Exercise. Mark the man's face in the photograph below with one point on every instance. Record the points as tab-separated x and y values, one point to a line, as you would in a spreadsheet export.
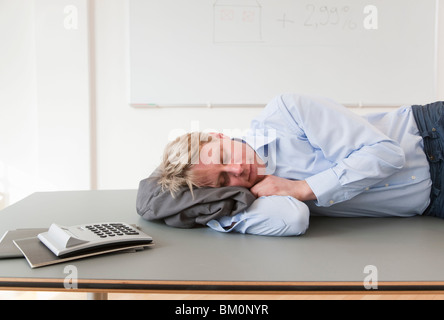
224	162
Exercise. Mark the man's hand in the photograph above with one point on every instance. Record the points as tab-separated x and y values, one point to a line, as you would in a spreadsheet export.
276	186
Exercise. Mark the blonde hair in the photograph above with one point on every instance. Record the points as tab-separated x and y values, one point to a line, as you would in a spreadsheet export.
178	158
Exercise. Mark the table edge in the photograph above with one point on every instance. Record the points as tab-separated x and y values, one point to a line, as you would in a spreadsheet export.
95	285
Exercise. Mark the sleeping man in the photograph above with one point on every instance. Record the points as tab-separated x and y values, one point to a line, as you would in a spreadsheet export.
306	155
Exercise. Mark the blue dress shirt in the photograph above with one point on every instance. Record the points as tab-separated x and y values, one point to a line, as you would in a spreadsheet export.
357	166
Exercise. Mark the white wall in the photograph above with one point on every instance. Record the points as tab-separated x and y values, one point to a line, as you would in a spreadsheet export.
44	99
62	93
18	108
45	103
62	78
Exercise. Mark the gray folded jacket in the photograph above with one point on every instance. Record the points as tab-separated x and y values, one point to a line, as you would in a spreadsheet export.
186	211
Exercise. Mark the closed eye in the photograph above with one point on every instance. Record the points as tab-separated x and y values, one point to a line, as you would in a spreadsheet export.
224	179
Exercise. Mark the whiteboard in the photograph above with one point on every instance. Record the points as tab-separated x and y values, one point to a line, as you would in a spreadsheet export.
244	52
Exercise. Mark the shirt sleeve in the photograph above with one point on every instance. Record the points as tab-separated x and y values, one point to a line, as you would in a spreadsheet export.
360	154
268	216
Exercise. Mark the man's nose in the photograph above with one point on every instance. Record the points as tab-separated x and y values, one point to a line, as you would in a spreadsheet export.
235	169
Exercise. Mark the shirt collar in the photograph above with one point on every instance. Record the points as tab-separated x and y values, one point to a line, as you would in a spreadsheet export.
259	140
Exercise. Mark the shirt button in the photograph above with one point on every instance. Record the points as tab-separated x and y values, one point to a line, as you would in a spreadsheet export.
332	202
413	177
386	185
366	189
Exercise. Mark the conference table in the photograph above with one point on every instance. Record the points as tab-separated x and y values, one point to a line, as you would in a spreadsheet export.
336	255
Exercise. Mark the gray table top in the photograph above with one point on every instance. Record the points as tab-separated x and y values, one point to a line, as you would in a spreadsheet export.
332	250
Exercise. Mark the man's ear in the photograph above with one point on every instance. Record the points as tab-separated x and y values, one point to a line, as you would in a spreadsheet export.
218	135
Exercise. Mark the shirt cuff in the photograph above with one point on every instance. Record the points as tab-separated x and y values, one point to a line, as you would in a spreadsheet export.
227	223
327	188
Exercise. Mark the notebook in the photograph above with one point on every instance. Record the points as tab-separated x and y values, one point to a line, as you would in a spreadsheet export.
38	255
8	249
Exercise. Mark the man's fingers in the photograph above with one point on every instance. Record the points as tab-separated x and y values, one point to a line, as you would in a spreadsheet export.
256	189
260	189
